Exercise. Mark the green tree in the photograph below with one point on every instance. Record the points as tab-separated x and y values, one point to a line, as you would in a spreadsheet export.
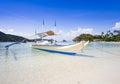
84	37
117	35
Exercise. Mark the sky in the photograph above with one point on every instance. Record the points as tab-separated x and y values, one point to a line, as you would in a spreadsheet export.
72	17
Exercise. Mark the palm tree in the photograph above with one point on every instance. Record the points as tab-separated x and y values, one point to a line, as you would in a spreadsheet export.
102	34
117	34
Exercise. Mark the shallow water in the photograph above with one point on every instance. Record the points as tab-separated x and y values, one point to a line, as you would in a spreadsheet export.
21	64
103	49
95	49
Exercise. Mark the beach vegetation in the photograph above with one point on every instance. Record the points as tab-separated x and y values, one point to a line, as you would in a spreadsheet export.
84	37
108	36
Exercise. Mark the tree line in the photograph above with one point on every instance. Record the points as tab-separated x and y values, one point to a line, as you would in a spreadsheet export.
108	36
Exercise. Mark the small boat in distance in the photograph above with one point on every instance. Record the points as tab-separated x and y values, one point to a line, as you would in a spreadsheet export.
68	49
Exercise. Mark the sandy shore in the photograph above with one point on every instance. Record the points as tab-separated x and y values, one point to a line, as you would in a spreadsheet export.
60	69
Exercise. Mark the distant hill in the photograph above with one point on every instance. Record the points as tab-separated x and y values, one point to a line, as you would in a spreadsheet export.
11	38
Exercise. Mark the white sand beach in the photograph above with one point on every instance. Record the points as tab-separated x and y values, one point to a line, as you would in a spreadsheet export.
60	69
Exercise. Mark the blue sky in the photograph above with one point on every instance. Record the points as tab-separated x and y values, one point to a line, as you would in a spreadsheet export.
73	17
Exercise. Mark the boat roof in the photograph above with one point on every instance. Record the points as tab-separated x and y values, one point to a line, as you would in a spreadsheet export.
44	34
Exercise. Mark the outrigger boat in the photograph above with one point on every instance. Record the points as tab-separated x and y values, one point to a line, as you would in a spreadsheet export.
68	49
54	48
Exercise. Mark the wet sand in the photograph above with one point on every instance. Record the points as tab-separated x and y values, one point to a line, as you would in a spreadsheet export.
60	69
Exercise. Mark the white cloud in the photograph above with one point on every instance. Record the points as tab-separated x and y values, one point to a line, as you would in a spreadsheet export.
13	32
27	35
69	35
2	30
117	25
7	31
61	34
10	31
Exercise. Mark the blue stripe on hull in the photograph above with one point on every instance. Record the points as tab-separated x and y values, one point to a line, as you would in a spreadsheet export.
54	51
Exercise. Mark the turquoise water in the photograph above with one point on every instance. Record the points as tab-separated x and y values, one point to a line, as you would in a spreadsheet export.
17	51
93	49
97	62
103	49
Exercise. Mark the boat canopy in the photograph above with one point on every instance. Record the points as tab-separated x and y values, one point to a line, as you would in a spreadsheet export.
44	34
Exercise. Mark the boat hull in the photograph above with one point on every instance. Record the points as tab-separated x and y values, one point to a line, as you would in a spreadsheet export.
55	51
70	49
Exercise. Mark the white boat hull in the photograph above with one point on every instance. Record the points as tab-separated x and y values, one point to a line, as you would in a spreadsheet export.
73	49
